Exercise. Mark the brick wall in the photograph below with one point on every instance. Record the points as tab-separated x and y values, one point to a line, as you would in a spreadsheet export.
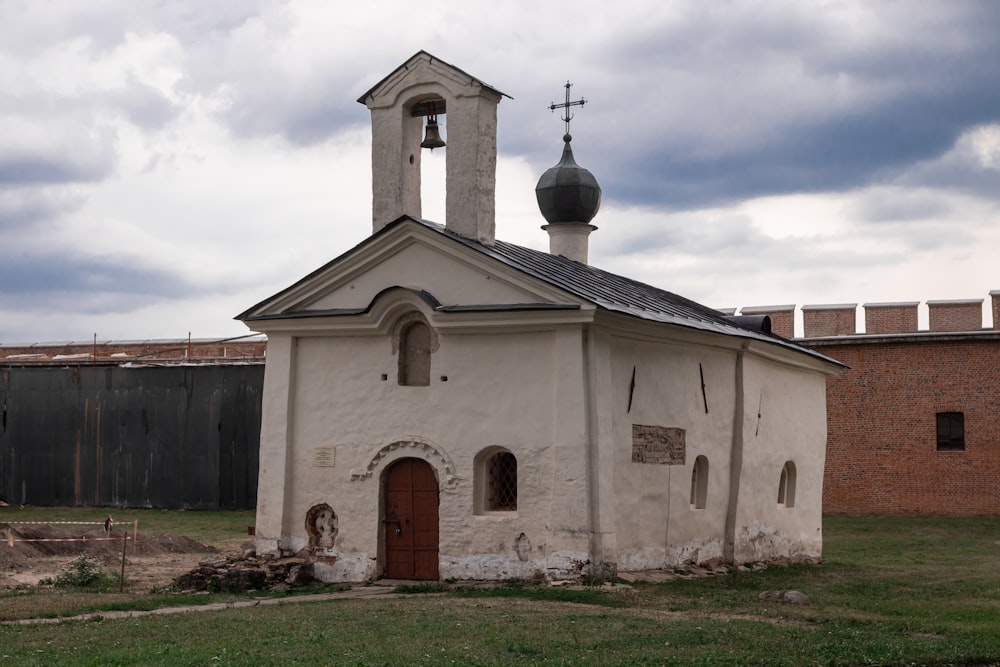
964	315
829	320
884	318
121	351
882	453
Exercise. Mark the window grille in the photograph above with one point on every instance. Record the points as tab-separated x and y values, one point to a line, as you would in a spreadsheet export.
502	475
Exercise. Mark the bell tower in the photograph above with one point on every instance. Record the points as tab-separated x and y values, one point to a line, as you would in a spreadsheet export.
427	88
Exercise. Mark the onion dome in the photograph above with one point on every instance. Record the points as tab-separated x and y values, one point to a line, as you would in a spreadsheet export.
567	192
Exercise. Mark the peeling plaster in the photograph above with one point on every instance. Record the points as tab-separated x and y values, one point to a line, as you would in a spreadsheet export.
760	542
340	566
657	558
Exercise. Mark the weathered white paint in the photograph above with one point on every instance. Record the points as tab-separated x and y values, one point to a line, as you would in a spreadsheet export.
273	470
339	565
569	239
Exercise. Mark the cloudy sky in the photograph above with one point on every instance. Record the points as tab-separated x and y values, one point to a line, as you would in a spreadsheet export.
165	165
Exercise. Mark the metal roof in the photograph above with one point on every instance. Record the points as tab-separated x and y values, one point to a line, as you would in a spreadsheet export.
616	293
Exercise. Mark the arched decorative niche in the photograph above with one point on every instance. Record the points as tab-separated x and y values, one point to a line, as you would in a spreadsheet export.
699	483
786	485
414	341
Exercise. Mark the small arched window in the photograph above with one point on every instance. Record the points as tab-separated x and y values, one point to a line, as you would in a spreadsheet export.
495	481
699	483
415	355
786	485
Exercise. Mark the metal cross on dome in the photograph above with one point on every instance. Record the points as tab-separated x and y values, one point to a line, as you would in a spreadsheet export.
566	105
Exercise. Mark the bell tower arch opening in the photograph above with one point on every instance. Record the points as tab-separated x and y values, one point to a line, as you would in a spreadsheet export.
431	158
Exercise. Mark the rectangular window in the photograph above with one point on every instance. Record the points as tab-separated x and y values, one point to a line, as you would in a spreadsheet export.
950	431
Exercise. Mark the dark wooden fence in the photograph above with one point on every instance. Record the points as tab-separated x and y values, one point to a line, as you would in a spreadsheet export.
166	437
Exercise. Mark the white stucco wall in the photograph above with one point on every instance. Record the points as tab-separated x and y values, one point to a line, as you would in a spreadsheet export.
792	427
452	281
656	525
581	499
500	391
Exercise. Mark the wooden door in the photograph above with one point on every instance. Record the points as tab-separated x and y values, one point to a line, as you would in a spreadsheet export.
411	521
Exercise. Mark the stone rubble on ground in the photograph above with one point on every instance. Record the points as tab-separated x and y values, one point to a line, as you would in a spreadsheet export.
711	568
249	572
788	597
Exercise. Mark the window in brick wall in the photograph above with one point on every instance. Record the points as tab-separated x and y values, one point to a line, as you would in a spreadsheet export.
950	431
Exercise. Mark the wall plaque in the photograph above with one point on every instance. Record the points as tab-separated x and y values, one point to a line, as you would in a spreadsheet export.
324	457
662	445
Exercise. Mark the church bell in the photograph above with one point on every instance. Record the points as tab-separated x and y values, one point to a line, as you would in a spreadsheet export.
432	137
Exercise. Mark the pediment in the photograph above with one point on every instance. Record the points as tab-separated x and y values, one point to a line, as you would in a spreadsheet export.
424	69
410	257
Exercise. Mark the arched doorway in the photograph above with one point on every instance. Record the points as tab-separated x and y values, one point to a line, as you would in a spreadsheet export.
410	521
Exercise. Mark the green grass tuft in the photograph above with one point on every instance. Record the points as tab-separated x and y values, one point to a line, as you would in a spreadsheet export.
425	587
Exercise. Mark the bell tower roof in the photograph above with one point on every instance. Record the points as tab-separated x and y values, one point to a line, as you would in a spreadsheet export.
392	81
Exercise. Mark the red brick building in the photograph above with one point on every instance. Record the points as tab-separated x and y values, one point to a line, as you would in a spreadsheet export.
117	352
914	423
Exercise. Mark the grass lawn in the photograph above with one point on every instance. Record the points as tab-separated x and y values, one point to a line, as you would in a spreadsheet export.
891	591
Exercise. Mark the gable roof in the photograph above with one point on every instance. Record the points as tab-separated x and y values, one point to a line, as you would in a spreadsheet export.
606	290
421	54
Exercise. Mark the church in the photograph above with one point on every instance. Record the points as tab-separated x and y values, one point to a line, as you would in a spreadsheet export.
440	404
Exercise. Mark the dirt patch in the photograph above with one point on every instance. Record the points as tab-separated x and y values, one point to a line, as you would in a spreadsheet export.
40	551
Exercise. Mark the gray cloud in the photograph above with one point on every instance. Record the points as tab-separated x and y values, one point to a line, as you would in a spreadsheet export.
142	105
30	27
27	277
972	167
727	105
897	204
39	169
24	207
